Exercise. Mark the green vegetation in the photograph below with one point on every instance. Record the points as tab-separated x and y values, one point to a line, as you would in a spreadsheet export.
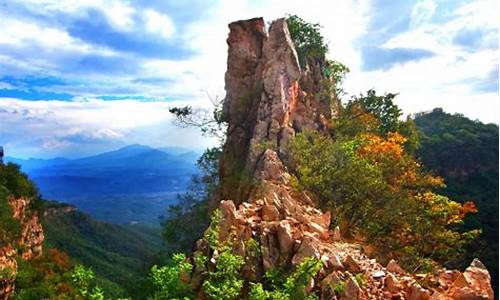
167	279
465	153
46	277
13	183
119	255
291	287
10	227
379	193
16	182
307	39
224	281
82	278
186	221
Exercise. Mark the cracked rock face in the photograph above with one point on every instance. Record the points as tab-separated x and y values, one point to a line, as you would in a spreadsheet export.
29	242
265	105
270	99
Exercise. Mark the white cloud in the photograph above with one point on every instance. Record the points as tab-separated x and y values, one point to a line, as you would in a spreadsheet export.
41	128
447	80
119	13
159	23
422	12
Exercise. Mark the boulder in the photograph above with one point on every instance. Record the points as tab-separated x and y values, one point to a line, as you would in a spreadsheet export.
416	292
474	283
392	284
270	212
336	234
308	248
393	267
352	290
285	238
351	265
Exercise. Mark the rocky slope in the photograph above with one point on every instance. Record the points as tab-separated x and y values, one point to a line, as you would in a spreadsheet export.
27	245
270	99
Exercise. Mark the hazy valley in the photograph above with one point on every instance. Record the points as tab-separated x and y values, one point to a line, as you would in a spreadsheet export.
134	184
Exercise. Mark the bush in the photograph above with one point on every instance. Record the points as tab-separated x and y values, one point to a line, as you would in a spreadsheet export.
167	279
380	193
307	38
292	287
225	282
17	182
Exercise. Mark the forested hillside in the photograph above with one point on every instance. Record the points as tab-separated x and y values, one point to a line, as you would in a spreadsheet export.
307	196
120	256
133	184
465	153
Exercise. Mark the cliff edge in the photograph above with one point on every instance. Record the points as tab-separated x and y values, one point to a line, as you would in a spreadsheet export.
269	99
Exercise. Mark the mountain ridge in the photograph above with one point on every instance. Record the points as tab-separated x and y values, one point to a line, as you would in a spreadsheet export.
134	183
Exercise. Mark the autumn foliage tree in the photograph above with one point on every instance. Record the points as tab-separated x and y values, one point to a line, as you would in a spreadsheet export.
380	194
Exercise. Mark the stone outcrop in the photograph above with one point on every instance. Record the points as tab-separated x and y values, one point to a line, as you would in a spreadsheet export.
267	100
270	99
28	245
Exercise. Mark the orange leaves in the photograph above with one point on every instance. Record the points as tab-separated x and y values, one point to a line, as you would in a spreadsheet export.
468	207
61	259
378	148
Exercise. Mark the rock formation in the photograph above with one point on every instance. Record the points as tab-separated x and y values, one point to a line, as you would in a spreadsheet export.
269	99
28	244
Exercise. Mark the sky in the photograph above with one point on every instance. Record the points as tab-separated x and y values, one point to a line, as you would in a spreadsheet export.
83	77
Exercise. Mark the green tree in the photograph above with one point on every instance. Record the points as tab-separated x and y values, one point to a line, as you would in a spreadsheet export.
168	279
83	278
186	220
465	153
307	39
380	193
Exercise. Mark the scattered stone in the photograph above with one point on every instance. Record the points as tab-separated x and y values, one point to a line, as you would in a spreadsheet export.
336	234
351	265
378	274
393	267
416	292
392	284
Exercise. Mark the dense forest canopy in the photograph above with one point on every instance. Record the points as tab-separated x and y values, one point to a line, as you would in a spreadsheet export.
465	153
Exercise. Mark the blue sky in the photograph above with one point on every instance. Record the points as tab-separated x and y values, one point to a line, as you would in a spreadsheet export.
80	77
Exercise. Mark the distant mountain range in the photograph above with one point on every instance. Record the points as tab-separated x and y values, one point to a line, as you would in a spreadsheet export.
132	184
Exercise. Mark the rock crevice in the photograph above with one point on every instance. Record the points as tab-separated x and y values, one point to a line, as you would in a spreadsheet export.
269	99
28	244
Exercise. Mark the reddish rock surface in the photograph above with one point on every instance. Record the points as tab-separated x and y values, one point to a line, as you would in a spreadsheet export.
269	99
29	242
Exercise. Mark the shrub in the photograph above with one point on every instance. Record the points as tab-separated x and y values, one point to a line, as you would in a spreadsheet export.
379	192
167	279
307	38
225	282
291	287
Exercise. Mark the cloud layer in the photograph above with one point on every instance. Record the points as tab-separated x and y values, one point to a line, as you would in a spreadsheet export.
79	77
